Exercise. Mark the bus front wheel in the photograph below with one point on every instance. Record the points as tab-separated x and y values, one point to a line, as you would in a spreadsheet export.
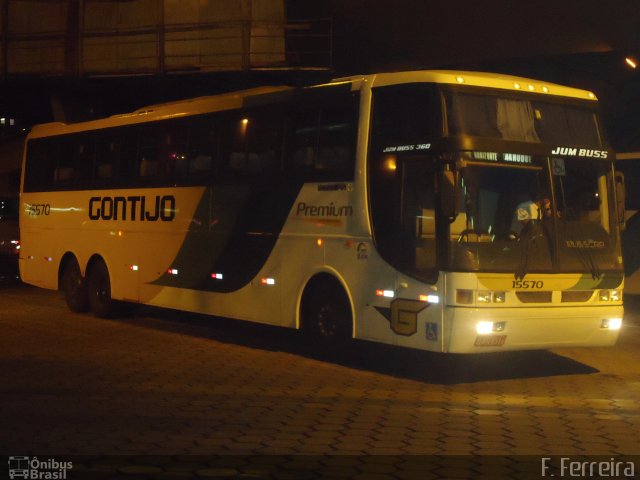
74	287
326	313
100	290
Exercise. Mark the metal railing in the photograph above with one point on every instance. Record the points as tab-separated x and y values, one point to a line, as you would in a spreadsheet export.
169	48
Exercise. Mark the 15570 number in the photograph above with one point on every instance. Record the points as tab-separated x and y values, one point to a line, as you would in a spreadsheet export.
527	284
39	209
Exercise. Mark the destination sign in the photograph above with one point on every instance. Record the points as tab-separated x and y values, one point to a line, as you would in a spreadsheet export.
517	158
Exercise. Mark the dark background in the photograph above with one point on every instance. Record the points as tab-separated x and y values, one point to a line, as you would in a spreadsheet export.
582	43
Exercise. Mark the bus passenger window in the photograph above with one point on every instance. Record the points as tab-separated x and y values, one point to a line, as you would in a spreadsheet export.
323	143
66	171
63	174
106	159
235	153
305	140
180	164
104	170
42	156
335	139
172	154
404	116
85	148
152	143
417	217
202	146
265	145
148	168
201	163
256	145
127	151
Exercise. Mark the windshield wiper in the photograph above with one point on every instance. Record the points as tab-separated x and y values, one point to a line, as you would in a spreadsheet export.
587	260
528	236
585	255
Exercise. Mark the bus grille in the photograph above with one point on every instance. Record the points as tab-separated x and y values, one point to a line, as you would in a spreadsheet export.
534	297
577	296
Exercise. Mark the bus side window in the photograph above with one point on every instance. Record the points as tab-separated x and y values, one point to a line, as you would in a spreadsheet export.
202	147
403	116
126	146
85	148
304	141
417	216
234	148
42	157
152	141
172	152
74	162
65	173
402	180
322	145
265	144
256	144
335	143
106	159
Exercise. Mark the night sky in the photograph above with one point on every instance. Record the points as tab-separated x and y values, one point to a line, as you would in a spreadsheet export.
580	43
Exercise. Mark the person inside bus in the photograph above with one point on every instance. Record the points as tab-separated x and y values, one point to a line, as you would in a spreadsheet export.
528	211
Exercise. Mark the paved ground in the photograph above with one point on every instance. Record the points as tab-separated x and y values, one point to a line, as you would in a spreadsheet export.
173	385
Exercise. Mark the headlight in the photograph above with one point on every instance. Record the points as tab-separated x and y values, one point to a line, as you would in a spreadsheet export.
485	327
483	296
611	323
466	297
610	295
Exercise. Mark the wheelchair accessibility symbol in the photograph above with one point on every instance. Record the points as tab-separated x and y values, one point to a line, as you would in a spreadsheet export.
557	167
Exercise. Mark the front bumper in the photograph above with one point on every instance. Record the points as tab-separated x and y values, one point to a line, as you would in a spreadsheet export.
529	328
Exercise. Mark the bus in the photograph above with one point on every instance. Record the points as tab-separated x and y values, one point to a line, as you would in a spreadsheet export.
446	211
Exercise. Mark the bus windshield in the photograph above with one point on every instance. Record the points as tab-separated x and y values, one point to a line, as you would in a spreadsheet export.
519	212
523	120
516	219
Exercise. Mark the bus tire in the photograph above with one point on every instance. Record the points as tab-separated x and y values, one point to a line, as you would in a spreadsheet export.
326	313
100	299
74	287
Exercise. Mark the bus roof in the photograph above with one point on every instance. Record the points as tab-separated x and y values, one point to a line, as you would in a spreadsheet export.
161	111
238	99
479	79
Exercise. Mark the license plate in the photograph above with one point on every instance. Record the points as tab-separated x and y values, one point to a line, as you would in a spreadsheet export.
490	341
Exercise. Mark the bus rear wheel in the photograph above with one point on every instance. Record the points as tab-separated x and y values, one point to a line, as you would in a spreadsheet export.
74	287
100	299
326	314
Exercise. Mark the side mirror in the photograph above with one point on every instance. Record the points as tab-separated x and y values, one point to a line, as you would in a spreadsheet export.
620	199
449	194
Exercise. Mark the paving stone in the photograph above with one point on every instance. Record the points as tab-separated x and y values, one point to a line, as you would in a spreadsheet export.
164	384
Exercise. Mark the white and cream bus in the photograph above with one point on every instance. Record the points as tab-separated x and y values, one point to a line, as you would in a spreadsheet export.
445	211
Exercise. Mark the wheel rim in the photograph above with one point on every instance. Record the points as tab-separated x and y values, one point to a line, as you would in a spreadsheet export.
102	290
74	282
326	314
99	291
327	321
